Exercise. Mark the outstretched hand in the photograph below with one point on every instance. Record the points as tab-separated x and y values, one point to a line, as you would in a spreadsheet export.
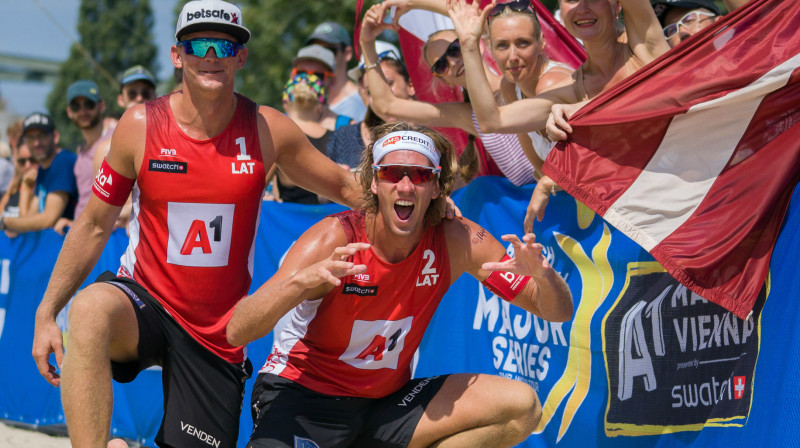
330	270
468	19
528	258
373	25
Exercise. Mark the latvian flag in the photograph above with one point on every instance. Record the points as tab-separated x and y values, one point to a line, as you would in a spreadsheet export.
696	155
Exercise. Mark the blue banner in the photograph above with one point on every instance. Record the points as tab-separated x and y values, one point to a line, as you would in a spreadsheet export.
644	362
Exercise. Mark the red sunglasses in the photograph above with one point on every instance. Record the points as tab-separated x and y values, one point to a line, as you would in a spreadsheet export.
417	174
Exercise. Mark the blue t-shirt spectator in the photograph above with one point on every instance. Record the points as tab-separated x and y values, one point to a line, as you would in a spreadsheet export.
59	177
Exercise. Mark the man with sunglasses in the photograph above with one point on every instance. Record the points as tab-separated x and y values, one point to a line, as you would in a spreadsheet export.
85	108
361	287
195	163
55	186
682	19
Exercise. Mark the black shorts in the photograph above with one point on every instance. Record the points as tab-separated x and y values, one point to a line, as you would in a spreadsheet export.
286	414
202	392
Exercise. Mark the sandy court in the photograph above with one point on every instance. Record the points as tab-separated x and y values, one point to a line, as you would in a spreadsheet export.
11	437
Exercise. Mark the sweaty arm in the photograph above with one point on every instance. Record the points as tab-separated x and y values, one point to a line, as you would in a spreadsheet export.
84	243
475	251
311	269
284	144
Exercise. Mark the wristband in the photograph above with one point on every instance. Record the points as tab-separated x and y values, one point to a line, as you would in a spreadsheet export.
506	285
110	186
375	65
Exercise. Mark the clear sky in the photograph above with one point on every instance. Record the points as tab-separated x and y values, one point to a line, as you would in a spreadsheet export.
27	30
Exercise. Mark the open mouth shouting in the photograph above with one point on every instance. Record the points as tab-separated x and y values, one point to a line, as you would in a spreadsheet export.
403	209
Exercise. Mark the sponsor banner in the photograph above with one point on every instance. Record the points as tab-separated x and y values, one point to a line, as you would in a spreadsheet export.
675	361
574	366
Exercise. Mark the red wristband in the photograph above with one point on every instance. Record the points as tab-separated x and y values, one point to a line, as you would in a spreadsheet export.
506	285
110	186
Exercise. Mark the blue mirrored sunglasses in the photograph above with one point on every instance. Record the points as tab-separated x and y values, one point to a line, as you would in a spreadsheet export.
222	47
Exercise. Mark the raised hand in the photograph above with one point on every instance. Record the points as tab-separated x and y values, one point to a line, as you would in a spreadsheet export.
468	19
331	269
372	25
528	258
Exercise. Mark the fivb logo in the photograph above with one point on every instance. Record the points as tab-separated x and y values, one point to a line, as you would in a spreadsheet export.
217	14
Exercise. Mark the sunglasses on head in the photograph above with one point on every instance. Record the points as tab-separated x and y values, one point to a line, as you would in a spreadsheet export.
417	174
22	161
75	106
690	19
440	67
224	48
322	75
516	5
146	94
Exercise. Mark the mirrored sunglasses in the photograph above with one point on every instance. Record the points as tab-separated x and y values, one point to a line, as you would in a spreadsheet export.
516	5
692	18
417	174
440	67
223	48
75	106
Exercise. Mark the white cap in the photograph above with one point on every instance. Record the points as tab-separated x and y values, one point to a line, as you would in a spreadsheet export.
317	53
212	15
385	50
405	140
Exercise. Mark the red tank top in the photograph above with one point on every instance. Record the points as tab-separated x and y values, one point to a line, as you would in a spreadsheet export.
196	205
359	340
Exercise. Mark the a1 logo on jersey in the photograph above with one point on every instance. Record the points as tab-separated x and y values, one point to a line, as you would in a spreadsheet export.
199	234
428	276
376	344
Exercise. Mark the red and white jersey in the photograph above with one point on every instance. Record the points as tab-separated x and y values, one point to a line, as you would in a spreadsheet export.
196	206
359	340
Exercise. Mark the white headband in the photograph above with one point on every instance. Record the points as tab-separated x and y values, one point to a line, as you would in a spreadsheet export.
405	140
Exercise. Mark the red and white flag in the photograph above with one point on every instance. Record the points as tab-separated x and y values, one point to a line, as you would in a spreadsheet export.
695	156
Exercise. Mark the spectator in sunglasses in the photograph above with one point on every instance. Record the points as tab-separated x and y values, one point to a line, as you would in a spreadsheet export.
613	53
20	198
195	162
343	97
360	289
442	52
85	108
321	61
682	19
346	145
55	187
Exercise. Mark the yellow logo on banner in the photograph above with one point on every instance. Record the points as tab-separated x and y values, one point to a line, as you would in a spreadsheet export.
597	279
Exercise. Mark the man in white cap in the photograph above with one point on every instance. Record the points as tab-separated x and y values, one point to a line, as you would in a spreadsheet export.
195	162
361	287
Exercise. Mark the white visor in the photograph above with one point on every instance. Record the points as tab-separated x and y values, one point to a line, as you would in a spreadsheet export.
408	141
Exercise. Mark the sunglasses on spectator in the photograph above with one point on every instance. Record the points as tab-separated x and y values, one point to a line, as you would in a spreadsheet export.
322	75
146	94
691	18
516	5
441	66
22	161
223	48
75	106
417	174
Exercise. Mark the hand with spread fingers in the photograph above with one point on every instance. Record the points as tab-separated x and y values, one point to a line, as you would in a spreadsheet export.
332	268
527	260
469	20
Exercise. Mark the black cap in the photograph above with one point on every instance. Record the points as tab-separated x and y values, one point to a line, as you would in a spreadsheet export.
662	6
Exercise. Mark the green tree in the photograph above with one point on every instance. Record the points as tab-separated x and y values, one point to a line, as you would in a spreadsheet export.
113	35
